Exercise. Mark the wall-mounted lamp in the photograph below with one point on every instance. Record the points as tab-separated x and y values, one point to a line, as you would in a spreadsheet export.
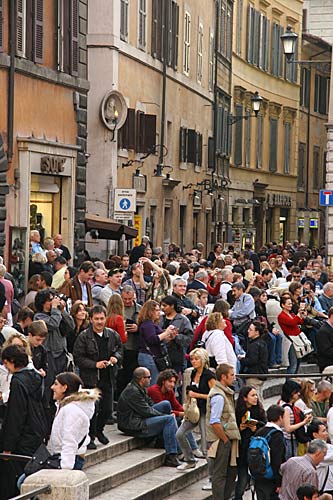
256	101
289	44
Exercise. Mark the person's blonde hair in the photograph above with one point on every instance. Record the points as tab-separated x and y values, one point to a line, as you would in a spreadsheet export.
115	306
306	385
193	296
21	337
213	321
202	354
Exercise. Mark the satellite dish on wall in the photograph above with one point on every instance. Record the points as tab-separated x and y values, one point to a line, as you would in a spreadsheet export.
113	110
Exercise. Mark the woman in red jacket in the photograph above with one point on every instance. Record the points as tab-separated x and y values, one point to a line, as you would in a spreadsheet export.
289	324
115	316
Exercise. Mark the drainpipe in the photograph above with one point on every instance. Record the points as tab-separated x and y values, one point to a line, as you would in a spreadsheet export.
216	45
165	53
11	76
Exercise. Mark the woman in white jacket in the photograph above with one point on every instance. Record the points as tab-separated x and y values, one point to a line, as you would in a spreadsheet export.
217	345
70	429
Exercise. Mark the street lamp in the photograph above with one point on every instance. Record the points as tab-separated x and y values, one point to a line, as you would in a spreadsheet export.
289	40
256	101
114	124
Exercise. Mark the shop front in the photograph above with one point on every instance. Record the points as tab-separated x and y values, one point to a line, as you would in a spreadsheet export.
44	198
278	217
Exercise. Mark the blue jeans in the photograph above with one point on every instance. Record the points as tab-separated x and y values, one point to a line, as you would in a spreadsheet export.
148	362
79	463
275	349
165	424
243	478
293	360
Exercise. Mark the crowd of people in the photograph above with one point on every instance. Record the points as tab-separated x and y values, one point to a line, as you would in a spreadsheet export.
110	341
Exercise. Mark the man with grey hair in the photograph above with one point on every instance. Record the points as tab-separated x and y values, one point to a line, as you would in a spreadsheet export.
36	247
139	251
186	306
320	402
202	281
326	299
242	312
100	279
299	470
226	284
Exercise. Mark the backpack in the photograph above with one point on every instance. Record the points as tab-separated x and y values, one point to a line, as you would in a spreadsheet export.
300	434
258	456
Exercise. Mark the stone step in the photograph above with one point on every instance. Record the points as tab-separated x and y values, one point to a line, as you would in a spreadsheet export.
158	484
121	469
192	492
119	444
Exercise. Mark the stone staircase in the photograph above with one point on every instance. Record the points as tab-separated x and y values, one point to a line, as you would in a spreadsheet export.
126	469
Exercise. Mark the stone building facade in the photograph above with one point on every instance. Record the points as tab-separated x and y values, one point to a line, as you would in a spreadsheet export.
43	124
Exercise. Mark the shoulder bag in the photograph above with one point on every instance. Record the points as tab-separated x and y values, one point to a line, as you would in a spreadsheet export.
163	361
191	411
302	345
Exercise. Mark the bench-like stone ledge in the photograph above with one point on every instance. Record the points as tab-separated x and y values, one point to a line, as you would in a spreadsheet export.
66	484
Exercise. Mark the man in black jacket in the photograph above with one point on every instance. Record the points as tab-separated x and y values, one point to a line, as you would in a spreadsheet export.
139	416
25	425
268	489
185	304
98	352
324	340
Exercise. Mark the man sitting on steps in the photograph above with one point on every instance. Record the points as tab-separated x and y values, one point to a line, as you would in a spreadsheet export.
138	416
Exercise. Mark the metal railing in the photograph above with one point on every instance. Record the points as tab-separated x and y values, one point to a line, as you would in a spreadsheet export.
267	376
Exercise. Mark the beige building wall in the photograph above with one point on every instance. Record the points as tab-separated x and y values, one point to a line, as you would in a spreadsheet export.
167	209
263	192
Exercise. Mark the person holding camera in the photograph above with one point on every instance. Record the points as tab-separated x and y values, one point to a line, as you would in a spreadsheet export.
98	352
290	325
52	309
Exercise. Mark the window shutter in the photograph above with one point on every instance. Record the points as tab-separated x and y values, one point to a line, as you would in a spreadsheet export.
1	25
182	144
268	37
191	145
139	132
301	162
273	145
259	141
219	130
211	152
248	140
20	31
175	34
280	31
75	37
154	29
38	31
287	133
256	38
249	34
198	149
229	134
127	131
238	154
273	51
322	95
149	141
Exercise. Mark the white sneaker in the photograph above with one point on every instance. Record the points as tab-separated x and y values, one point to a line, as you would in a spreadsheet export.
207	486
198	453
186	466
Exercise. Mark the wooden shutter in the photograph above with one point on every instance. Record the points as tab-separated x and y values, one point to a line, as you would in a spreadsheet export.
182	144
238	154
322	95
229	134
38	31
268	37
127	132
287	134
301	163
191	145
1	25
139	132
259	141
20	29
75	37
249	34
273	145
198	151
256	38
175	34
149	142
211	152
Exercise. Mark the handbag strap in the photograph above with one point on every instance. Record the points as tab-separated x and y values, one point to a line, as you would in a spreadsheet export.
81	442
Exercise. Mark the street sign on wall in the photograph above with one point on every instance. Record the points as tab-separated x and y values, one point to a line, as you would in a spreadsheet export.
125	200
326	198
